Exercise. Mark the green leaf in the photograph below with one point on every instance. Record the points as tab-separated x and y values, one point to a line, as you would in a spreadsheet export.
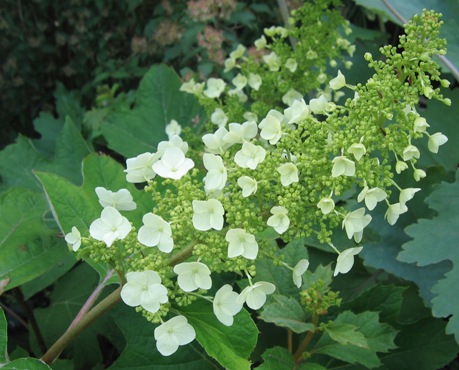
158	101
423	345
27	247
346	334
230	346
429	248
277	358
18	160
379	337
26	363
286	312
140	352
3	338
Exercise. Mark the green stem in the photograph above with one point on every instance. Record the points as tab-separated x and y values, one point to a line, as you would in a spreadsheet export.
105	305
182	255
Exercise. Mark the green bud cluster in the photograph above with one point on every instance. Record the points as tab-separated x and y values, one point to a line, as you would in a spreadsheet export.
319	298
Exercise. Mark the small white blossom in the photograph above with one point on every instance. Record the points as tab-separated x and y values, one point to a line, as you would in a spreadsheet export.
358	150
338	82
229	64
394	211
139	169
174	141
297	112
173	164
240	81
215	87
279	220
74	238
371	196
214	142
345	260
435	141
238	52
326	205
216	172
238	133
354	223
225	305
271	126
407	194
254	81
298	271
173	128
273	61
420	124
410	152
192	276
241	243
110	226
248	185
192	87
255	295
318	106
400	166
250	156
144	289
343	166
207	214
260	43
156	232
290	97
291	64
240	94
289	173
121	200
172	334
219	117
419	174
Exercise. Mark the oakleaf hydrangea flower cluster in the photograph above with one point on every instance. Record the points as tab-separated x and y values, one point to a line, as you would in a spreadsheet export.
270	160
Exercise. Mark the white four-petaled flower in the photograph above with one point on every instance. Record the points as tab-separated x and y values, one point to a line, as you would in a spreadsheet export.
342	166
215	86
172	334
354	223
192	276
214	142
208	214
248	185
173	128
298	271
338	82
371	196
238	133
279	220
144	289
289	173
216	172
255	295
435	141
250	155
140	169
326	205
241	243
358	150
121	200
271	126
225	305
345	260
297	112
74	238
173	164
394	211
110	226
407	194
156	232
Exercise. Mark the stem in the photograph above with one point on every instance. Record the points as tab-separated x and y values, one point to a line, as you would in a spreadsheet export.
290	340
305	343
182	255
77	327
31	318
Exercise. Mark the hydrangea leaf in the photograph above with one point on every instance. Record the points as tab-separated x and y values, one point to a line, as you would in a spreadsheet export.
379	338
18	160
277	358
286	312
346	334
435	241
158	101
140	351
424	345
230	346
26	363
28	247
3	338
